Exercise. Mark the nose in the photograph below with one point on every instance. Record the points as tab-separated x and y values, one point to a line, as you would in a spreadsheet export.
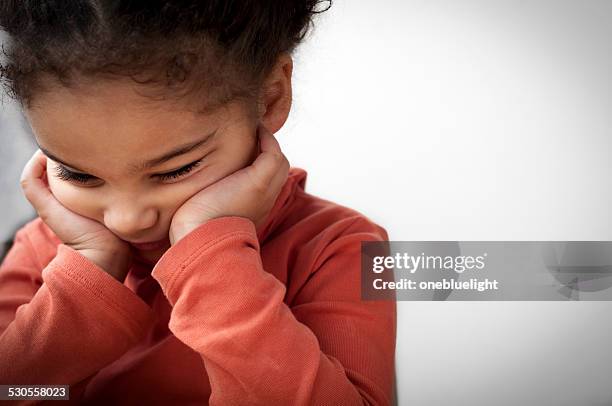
129	218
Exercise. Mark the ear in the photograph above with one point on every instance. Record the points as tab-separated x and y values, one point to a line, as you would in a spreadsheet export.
276	95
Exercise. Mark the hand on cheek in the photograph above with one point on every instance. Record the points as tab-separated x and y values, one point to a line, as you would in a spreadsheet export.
249	192
90	238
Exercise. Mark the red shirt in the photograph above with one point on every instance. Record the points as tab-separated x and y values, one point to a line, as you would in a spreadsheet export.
229	315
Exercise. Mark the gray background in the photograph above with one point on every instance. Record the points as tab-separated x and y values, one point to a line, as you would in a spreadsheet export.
460	120
16	146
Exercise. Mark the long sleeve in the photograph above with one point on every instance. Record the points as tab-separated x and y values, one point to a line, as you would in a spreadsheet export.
61	324
329	348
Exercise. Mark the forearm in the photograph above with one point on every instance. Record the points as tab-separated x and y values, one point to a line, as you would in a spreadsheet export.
228	309
80	320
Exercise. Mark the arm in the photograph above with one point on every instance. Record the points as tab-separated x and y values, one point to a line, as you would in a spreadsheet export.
61	325
330	348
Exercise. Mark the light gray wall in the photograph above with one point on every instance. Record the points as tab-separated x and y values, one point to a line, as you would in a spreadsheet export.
16	147
471	120
459	120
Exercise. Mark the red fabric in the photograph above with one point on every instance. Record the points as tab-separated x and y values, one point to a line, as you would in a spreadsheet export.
230	315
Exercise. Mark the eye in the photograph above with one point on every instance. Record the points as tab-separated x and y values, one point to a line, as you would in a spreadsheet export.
89	180
76	177
179	173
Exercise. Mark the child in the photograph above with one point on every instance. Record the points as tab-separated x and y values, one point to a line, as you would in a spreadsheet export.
177	258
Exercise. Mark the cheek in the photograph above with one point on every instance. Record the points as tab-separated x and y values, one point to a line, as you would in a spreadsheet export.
73	198
169	199
217	168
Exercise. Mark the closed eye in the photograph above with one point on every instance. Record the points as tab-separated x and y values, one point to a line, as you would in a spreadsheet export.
68	175
178	173
87	180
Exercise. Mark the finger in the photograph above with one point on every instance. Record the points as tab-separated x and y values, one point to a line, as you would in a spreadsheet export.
280	167
35	187
268	143
271	149
271	168
32	177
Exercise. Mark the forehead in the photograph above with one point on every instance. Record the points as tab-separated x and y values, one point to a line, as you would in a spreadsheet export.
112	121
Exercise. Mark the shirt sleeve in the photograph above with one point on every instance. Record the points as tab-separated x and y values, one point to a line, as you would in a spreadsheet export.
60	325
330	348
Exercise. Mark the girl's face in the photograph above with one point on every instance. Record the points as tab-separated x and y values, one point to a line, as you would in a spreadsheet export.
129	163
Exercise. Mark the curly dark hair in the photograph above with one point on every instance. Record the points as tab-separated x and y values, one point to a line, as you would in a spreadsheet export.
177	48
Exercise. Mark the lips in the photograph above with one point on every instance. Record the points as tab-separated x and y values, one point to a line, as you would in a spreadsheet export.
150	246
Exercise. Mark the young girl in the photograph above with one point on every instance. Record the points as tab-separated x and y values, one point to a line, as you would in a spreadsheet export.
177	258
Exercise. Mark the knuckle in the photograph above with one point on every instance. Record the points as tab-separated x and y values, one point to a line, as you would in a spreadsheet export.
44	216
278	157
24	174
24	183
259	186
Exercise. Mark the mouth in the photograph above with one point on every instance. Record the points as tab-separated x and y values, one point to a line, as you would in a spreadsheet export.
151	246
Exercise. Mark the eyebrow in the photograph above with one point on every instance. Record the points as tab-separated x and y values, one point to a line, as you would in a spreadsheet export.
181	150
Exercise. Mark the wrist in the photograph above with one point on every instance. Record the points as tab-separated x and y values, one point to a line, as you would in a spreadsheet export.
177	235
115	262
178	232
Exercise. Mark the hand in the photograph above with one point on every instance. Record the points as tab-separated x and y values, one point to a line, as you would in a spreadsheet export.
249	192
90	238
